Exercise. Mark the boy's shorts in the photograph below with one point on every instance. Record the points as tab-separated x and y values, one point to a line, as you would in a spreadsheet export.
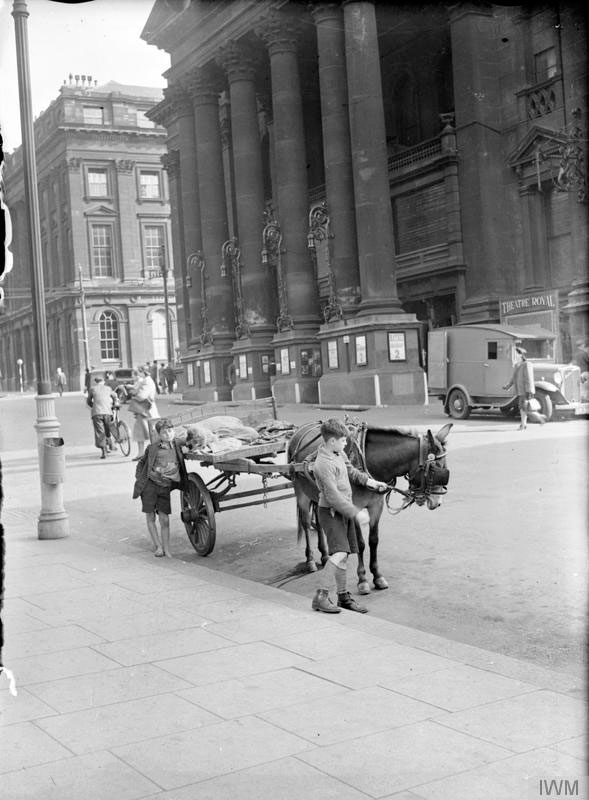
156	498
340	532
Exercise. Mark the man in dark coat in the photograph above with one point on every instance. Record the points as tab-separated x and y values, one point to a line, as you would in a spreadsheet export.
160	469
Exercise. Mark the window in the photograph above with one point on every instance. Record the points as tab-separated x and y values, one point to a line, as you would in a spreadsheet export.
159	336
492	351
545	65
109	336
153	247
102	251
93	115
150	185
97	183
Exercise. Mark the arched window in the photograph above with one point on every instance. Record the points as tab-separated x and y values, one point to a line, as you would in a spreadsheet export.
159	336
109	336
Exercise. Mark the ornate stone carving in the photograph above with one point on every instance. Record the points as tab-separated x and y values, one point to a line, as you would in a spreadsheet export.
203	85
171	163
240	61
197	261
125	165
272	251
280	31
319	231
231	254
178	101
74	164
225	128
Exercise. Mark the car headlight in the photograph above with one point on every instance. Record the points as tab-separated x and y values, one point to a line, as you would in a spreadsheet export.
557	378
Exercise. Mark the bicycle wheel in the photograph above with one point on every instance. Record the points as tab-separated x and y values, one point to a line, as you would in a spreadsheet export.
123	437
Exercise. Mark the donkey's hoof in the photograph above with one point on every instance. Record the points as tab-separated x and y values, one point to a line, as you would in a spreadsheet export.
363	588
380	583
311	566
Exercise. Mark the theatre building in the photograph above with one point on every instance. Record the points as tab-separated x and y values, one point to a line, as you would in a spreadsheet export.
105	236
345	176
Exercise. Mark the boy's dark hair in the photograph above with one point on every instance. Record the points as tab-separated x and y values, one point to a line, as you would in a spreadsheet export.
333	427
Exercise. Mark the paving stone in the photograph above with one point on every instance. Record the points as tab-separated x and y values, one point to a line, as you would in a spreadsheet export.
93	602
144	624
251	695
231	662
270	627
50	640
379	665
460	687
99	776
335	641
184	758
24	581
515	778
123	723
351	715
143	649
402	758
194	597
233	608
524	722
53	666
286	779
113	686
577	747
20	623
22	708
24	745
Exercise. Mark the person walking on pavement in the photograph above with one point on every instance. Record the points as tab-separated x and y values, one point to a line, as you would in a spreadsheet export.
60	381
170	377
522	380
102	400
337	514
143	406
154	377
161	469
88	380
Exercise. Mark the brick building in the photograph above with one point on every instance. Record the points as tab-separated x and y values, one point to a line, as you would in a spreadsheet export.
344	176
105	227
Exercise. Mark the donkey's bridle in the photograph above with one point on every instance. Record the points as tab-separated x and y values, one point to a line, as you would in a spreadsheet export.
427	479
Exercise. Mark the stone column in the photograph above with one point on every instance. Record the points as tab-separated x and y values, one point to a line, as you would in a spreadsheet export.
255	296
280	33
533	239
182	285
129	263
339	181
182	115
217	309
374	220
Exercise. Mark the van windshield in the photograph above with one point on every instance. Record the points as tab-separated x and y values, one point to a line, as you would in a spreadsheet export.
539	348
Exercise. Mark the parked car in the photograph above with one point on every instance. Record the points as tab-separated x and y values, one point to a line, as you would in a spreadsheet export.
468	365
121	381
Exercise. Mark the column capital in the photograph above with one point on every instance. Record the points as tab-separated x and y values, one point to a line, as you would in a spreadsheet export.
73	164
178	103
322	12
203	84
171	163
239	60
280	32
125	165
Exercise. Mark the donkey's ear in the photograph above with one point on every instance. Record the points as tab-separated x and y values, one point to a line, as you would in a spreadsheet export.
442	434
431	441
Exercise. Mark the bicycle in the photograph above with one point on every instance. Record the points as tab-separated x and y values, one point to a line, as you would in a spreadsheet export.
120	432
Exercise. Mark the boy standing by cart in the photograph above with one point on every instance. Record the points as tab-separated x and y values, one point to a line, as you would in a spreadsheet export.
160	469
337	515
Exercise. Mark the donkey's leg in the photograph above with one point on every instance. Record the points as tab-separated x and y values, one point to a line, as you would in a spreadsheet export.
321	538
379	581
304	529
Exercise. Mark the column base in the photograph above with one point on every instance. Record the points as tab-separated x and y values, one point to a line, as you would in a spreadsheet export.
53	525
212	374
372	361
297	357
252	360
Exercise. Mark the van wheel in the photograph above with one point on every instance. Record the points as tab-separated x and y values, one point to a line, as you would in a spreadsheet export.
458	407
545	404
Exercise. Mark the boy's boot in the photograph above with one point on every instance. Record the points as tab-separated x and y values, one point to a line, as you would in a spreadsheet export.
345	600
321	602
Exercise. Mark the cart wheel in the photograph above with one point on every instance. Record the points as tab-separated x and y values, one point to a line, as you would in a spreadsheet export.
198	515
124	437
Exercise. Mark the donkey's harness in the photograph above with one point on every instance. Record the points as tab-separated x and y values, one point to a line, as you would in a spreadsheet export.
426	479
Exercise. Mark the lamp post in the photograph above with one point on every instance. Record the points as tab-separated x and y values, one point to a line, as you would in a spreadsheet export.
164	268
19	363
84	325
53	520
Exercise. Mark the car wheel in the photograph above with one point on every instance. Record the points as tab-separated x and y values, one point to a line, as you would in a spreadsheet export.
458	407
546	407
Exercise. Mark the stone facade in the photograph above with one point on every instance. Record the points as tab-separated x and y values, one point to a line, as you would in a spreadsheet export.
105	225
353	174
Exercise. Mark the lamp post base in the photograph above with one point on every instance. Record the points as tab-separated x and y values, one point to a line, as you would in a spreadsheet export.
53	520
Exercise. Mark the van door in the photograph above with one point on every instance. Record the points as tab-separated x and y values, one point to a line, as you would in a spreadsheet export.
498	366
437	361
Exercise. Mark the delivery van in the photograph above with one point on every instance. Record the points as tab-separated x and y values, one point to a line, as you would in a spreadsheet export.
468	365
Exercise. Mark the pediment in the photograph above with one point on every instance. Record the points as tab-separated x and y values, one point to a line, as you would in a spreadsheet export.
537	139
100	211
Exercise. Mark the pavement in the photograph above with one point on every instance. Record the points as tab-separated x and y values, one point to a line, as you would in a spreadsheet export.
142	677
